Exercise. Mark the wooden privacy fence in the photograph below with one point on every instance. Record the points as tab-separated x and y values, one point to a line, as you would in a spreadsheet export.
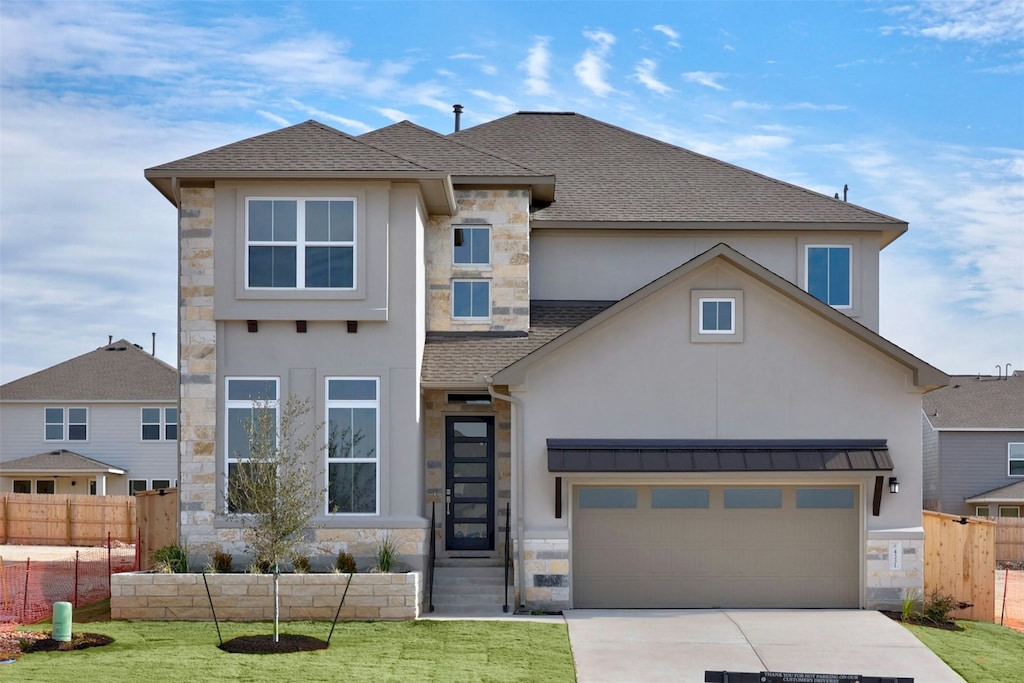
960	560
1009	539
66	519
157	520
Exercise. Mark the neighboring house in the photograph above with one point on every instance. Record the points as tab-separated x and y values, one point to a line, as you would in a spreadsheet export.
104	423
669	366
974	446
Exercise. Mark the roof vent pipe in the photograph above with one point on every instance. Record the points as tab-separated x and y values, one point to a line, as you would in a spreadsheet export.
110	339
458	116
154	343
846	189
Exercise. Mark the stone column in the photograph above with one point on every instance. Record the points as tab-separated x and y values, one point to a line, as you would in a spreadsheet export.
197	353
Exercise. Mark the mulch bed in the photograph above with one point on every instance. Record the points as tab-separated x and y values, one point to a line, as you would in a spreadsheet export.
920	621
265	645
79	641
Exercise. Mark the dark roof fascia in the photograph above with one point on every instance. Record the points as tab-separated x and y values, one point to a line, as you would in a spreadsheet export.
925	376
90	401
542	187
434	183
890	231
721	444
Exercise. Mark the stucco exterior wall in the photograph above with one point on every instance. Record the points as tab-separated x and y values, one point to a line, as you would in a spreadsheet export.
794	376
386	344
610	264
507	213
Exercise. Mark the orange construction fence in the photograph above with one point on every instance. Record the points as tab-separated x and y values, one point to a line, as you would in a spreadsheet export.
29	588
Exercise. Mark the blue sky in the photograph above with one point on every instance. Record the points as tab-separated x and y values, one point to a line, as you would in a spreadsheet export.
917	106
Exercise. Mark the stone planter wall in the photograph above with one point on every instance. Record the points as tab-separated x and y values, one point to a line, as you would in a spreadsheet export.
148	596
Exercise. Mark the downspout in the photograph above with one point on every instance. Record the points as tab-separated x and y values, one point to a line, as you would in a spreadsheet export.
517	480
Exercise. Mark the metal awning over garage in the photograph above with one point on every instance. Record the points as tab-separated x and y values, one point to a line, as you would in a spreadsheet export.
717	455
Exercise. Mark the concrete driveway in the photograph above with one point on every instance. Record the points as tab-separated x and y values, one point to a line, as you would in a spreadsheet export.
649	646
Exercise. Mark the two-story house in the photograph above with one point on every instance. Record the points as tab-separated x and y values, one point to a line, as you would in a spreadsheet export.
973	435
103	423
668	367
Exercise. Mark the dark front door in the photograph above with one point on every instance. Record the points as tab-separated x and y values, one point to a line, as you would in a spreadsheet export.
469	484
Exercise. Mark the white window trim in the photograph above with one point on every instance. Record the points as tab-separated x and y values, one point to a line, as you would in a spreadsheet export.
1009	507
66	424
229	458
978	513
717	299
472	318
807	271
490	246
163	424
347	403
300	244
1010	458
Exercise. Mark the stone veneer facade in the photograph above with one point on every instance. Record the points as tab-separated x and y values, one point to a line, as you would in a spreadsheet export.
885	587
507	213
546	574
197	350
148	596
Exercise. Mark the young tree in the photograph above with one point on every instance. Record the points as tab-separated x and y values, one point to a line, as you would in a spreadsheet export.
276	489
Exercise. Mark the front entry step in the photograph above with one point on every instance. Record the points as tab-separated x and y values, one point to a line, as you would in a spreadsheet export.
469	591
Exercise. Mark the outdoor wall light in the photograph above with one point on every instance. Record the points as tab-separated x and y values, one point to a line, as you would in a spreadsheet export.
894	485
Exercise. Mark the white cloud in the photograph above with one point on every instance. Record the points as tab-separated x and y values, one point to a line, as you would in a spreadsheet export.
592	67
790	106
466	55
347	125
645	74
536	65
982	21
489	70
499	102
706	78
670	33
395	115
274	118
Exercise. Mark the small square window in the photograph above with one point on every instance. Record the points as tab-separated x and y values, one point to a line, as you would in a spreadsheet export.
1009	511
471	246
22	486
982	511
471	299
717	316
48	486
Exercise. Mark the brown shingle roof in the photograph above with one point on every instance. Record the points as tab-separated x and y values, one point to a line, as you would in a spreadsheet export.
465	359
59	461
433	150
606	173
120	371
977	402
309	146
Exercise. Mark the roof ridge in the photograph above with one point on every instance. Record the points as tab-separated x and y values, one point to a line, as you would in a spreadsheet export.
372	146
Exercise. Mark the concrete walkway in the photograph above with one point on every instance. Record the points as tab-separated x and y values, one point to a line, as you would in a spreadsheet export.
651	646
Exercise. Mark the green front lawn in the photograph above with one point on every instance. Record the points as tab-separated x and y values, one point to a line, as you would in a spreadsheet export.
982	653
360	651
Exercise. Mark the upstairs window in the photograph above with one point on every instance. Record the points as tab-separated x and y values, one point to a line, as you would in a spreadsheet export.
159	424
472	246
300	243
1016	457
717	316
67	424
471	299
829	274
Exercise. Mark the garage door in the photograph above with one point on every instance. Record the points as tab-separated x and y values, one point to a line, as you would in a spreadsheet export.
644	546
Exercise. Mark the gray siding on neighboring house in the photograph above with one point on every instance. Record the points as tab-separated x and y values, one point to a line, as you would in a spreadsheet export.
114	437
973	463
932	472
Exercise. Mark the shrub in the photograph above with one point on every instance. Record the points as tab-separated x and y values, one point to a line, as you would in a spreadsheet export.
911	600
170	559
346	564
301	564
222	562
387	554
938	606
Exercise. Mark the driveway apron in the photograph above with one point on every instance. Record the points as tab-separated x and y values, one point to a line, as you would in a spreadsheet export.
650	646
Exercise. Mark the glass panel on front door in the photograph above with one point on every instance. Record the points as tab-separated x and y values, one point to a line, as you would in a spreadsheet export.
469	485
